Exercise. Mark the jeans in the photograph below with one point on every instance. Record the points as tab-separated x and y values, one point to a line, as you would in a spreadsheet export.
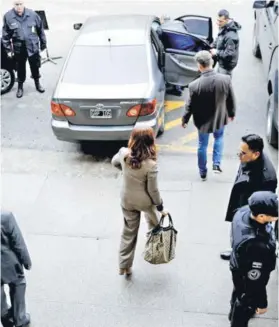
217	149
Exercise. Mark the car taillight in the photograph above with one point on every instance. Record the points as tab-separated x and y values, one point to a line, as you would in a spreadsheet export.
61	110
144	109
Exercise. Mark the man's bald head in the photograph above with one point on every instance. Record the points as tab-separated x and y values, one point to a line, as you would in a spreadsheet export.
19	6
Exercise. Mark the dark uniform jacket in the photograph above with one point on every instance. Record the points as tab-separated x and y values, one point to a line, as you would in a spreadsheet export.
227	45
14	253
253	254
26	30
211	101
258	175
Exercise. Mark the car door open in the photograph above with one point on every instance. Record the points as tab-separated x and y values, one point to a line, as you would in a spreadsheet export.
180	51
181	46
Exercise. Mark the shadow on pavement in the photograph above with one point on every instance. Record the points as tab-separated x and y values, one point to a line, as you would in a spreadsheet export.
101	150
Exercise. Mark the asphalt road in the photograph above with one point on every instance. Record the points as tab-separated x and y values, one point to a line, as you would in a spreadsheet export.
68	207
27	121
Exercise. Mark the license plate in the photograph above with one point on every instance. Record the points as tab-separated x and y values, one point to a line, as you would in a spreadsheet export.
100	113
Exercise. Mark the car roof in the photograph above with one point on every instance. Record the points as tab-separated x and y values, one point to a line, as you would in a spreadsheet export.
111	30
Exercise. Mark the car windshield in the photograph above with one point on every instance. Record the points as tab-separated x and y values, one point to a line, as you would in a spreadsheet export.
97	65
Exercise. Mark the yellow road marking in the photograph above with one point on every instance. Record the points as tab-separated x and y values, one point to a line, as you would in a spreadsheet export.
173	105
190	137
173	123
187	138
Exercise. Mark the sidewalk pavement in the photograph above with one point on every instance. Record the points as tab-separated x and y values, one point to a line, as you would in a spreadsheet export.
71	219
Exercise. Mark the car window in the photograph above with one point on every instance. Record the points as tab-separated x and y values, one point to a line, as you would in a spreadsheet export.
107	65
185	42
195	26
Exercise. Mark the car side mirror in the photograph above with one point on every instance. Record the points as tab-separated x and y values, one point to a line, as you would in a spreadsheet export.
259	4
77	26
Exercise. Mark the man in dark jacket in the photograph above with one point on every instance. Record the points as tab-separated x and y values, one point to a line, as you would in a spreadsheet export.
212	104
23	36
226	45
255	173
253	257
14	256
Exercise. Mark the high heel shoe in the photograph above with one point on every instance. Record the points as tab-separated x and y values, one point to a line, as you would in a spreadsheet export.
126	271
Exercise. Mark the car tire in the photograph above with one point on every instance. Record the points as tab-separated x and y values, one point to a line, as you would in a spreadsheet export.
7	80
256	45
162	127
271	132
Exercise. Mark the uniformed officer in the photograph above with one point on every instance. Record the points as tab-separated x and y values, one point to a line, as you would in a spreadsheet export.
256	173
23	35
14	256
253	256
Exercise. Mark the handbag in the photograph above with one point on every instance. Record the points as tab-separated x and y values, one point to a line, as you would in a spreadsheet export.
161	243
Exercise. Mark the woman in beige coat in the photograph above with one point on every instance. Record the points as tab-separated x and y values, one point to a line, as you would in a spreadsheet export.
139	191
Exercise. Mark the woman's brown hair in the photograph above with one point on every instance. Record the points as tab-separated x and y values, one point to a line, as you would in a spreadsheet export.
142	147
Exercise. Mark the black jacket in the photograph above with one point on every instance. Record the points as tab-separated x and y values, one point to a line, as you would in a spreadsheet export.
26	30
253	255
14	253
227	45
211	101
258	175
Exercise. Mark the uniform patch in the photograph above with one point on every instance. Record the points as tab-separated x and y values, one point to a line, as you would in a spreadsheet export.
254	274
257	265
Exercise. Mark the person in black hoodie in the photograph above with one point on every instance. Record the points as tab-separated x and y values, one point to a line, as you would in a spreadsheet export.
226	45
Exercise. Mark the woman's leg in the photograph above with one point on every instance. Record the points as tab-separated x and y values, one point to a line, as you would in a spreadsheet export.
129	238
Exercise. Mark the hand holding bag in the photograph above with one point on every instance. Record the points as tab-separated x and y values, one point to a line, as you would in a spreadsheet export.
161	243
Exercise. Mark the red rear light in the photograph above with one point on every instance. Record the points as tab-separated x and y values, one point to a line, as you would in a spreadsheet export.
61	110
134	111
144	109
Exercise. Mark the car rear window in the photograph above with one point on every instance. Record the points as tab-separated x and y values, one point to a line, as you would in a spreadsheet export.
113	65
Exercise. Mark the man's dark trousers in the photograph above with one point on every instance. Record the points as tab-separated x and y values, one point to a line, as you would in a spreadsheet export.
242	306
34	63
17	295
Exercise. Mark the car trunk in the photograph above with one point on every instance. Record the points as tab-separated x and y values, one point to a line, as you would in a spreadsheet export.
101	112
101	105
101	83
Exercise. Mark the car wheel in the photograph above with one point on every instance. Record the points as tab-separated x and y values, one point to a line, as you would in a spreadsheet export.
271	132
256	46
7	80
162	126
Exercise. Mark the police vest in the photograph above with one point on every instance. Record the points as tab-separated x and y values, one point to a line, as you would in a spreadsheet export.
243	230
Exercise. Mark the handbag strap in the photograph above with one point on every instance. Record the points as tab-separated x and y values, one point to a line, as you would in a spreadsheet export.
162	220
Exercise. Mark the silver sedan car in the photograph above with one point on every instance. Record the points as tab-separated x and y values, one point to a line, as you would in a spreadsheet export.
114	78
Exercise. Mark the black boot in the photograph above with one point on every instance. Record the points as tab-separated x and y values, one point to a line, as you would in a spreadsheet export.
19	92
39	87
7	319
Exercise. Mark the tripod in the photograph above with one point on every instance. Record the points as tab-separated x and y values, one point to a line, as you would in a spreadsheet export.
50	59
42	15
